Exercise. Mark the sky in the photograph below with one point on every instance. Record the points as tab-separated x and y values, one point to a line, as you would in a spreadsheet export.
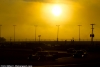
27	13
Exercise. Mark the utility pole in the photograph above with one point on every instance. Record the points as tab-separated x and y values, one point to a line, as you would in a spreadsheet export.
92	34
14	32
0	30
57	32
79	31
35	32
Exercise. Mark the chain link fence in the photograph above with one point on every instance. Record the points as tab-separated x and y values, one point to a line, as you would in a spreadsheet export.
51	40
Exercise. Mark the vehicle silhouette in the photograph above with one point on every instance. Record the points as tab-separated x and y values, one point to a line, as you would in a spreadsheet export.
80	54
42	56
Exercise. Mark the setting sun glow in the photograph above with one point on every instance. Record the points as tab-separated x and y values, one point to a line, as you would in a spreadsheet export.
56	13
56	10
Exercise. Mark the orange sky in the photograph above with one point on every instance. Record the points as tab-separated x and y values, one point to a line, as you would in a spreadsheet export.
27	14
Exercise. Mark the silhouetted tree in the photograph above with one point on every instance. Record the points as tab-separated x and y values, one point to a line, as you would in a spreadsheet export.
2	39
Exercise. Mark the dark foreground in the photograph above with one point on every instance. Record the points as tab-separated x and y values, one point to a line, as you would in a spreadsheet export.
17	55
91	59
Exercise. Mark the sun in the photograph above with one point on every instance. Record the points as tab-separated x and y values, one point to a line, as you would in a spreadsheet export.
56	10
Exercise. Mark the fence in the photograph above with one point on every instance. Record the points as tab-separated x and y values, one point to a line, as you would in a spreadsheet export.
51	40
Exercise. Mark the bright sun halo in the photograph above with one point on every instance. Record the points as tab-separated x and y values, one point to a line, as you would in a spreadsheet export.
56	10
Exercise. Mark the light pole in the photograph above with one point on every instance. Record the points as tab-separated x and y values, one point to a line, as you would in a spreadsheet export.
0	30
35	32
39	37
57	32
92	34
14	32
79	31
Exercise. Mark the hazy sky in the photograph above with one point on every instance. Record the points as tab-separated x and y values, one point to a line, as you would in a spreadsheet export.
26	14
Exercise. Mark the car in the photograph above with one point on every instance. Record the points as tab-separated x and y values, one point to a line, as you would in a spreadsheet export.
80	54
42	56
71	50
